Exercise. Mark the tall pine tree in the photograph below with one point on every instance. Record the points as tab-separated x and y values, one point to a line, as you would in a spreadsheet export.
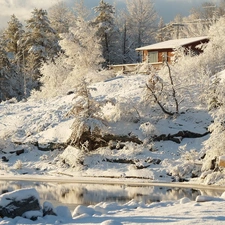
11	83
12	34
11	60
107	30
40	43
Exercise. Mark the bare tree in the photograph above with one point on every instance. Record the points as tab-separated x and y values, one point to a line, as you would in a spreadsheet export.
61	17
157	90
141	20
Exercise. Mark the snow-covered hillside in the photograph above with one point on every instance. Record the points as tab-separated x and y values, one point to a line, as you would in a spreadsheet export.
34	133
38	125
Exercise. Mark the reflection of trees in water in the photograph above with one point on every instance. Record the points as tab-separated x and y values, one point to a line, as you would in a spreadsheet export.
86	194
178	193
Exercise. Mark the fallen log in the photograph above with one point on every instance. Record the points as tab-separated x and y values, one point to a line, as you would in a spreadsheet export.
96	141
147	163
179	136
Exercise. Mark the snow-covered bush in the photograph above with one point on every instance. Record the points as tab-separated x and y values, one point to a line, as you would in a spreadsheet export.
191	155
148	129
184	171
126	110
73	157
18	165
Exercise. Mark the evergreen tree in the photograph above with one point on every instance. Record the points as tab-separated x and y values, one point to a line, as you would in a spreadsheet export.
10	39
88	120
39	43
11	84
12	34
106	29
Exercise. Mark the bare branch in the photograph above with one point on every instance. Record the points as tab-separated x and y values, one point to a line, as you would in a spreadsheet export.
158	102
173	89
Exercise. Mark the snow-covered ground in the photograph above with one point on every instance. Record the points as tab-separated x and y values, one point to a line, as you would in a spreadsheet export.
26	127
204	210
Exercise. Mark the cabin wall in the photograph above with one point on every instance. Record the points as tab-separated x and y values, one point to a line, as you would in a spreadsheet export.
168	52
165	52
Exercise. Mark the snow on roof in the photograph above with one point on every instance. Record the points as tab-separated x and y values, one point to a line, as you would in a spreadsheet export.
171	44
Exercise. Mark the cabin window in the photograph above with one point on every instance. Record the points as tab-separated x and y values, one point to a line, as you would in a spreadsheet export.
152	57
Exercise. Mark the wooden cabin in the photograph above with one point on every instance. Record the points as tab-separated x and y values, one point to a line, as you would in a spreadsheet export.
156	54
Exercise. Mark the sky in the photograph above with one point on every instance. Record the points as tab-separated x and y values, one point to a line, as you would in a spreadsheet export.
168	9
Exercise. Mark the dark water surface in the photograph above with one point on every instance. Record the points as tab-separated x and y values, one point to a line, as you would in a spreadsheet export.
75	194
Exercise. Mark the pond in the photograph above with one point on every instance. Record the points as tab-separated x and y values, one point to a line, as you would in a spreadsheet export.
73	194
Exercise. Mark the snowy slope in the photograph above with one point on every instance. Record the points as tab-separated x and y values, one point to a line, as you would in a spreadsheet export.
45	121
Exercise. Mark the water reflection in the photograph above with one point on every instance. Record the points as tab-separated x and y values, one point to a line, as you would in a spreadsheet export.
91	194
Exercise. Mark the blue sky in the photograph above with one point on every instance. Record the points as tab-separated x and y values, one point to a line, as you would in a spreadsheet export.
168	9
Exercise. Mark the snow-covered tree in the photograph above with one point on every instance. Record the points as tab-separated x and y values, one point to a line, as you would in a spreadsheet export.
88	119
201	19
125	45
81	11
141	19
107	31
12	34
214	60
82	47
164	31
61	17
54	78
81	58
10	82
10	39
194	28
214	54
163	91
39	42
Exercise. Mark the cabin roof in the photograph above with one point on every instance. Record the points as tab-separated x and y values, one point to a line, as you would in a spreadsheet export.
171	44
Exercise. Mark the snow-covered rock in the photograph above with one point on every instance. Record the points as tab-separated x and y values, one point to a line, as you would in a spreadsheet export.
48	209
19	202
204	198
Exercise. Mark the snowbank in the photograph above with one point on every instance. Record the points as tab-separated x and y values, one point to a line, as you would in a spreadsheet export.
205	210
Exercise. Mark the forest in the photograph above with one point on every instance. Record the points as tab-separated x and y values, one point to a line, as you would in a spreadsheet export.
33	51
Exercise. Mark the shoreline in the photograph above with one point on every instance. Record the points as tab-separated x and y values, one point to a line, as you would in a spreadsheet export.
112	181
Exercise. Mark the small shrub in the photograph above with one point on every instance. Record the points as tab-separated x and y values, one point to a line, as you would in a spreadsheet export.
18	165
